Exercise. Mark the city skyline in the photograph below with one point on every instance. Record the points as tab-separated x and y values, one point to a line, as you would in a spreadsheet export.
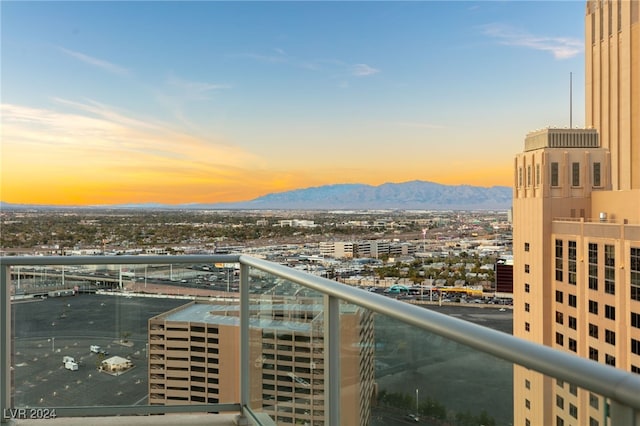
122	102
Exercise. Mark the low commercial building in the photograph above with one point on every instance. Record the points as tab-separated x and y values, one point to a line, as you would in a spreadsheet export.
193	358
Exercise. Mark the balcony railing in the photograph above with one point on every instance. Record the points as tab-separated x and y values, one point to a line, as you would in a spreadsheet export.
291	297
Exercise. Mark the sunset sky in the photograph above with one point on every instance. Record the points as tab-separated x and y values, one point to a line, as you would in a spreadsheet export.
179	102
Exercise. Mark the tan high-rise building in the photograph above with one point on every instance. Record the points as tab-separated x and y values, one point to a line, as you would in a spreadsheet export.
576	228
193	358
612	47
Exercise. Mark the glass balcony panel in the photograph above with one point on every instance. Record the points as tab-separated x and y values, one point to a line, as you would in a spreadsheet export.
69	322
540	399
422	375
391	373
286	348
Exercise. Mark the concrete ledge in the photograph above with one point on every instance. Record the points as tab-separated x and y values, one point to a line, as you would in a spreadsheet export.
169	420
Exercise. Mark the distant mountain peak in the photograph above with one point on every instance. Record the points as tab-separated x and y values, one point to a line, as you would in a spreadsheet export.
411	195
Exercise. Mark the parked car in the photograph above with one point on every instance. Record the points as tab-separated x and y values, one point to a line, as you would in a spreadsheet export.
412	417
397	289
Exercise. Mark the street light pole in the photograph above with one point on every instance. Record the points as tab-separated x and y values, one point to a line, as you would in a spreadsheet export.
53	344
417	403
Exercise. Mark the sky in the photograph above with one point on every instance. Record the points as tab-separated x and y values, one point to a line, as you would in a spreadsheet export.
205	102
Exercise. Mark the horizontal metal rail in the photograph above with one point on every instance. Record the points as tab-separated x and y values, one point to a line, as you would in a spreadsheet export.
609	382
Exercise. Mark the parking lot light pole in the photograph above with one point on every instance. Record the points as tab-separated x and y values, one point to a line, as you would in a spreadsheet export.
417	403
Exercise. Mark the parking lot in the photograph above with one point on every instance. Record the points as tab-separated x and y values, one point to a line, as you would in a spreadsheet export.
47	330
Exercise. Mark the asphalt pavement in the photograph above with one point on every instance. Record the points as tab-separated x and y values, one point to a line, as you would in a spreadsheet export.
47	330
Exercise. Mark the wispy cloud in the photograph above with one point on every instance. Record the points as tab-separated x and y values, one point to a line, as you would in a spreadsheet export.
99	63
194	90
106	140
559	47
363	70
332	67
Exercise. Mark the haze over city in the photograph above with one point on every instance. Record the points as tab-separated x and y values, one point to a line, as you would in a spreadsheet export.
174	102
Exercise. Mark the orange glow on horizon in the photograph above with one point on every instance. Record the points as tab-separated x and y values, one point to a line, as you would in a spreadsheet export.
51	189
106	158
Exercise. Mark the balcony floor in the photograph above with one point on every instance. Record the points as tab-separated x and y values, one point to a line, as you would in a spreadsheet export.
168	420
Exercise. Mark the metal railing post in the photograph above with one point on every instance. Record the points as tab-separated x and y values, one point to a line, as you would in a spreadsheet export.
332	382
245	383
5	342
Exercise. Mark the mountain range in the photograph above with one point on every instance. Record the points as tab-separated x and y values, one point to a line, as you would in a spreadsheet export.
413	195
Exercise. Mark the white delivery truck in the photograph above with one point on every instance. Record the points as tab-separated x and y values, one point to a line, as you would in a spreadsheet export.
66	359
70	365
94	348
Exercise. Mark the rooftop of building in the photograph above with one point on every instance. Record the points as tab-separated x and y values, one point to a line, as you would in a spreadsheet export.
561	138
220	314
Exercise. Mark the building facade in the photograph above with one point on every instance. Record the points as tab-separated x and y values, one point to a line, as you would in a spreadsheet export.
576	228
193	358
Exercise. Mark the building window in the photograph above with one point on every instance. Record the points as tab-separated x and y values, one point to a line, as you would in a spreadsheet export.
527	403
527	384
559	244
572	262
573	300
593	422
573	411
634	266
554	174
609	269
527	422
593	266
519	176
537	174
526	307
528	175
594	400
593	307
526	246
573	322
527	326
526	288
610	18
610	360
601	16
635	369
610	337
596	175
593	330
526	268
559	421
635	320
593	353
635	346
575	174
560	402
559	296
610	312
559	317
573	390
573	345
559	339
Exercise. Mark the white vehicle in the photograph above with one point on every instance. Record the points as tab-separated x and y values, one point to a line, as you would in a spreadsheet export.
73	366
94	348
66	359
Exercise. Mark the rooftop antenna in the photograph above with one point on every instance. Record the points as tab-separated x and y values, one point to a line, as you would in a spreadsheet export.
571	100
